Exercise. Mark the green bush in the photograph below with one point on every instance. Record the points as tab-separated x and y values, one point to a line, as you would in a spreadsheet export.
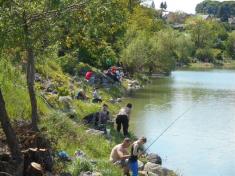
80	165
68	64
205	54
63	91
82	68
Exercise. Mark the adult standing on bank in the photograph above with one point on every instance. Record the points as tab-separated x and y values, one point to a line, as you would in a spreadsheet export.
123	119
135	153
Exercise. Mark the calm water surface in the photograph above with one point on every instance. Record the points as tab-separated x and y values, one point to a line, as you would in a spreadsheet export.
202	142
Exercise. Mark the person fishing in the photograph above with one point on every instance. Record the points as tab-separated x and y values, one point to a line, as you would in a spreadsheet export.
123	118
136	148
120	155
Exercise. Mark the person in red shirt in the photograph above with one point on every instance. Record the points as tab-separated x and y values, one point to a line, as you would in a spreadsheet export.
88	75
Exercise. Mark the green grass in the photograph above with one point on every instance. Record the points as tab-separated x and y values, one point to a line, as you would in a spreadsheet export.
64	133
227	64
70	137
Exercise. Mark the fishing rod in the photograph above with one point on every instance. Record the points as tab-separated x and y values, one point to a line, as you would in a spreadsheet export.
170	125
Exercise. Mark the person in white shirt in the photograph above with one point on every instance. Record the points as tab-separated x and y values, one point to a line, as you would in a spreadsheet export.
96	97
123	118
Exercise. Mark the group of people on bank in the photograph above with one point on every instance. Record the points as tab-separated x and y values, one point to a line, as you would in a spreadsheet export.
100	119
120	154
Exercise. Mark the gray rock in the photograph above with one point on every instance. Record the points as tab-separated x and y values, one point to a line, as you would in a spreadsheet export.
89	173
119	100
140	165
152	174
158	169
38	78
154	158
94	132
66	102
65	99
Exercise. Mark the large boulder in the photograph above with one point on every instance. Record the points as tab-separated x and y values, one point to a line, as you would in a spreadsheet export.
158	169
154	158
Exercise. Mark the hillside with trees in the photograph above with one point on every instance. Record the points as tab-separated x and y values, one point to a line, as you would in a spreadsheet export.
48	46
222	10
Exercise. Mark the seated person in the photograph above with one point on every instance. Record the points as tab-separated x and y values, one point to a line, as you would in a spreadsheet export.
96	97
81	95
120	155
102	118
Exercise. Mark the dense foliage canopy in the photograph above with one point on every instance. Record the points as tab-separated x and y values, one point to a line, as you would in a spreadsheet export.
223	10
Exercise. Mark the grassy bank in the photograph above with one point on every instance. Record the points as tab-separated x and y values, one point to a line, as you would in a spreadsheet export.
229	64
65	133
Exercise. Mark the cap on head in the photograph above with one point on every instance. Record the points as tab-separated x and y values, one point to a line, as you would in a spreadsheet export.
129	105
143	139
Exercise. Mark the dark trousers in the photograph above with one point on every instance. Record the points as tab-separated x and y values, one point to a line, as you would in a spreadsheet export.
96	100
122	121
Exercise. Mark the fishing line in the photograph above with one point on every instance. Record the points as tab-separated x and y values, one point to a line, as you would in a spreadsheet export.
170	125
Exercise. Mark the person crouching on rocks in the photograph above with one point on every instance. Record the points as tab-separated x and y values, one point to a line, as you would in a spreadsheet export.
123	118
119	155
135	153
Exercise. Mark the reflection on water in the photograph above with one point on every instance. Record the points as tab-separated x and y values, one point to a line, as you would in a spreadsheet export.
202	142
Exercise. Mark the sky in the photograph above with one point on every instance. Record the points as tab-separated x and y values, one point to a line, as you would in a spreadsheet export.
180	5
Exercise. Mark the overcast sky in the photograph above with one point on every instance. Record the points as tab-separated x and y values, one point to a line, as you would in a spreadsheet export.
182	5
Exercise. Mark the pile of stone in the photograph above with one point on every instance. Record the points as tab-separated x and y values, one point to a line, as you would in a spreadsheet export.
153	167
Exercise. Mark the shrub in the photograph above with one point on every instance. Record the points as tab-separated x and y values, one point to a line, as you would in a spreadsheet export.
81	68
80	165
205	54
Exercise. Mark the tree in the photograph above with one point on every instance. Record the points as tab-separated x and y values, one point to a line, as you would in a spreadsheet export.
163	5
222	10
23	26
95	33
151	53
132	4
204	33
153	5
230	45
136	53
184	48
11	138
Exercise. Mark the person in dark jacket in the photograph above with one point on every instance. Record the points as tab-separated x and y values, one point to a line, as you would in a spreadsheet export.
102	118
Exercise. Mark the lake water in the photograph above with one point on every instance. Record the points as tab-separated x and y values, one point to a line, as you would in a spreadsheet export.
202	141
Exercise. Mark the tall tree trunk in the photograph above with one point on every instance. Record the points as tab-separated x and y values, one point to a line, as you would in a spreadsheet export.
31	75
11	138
